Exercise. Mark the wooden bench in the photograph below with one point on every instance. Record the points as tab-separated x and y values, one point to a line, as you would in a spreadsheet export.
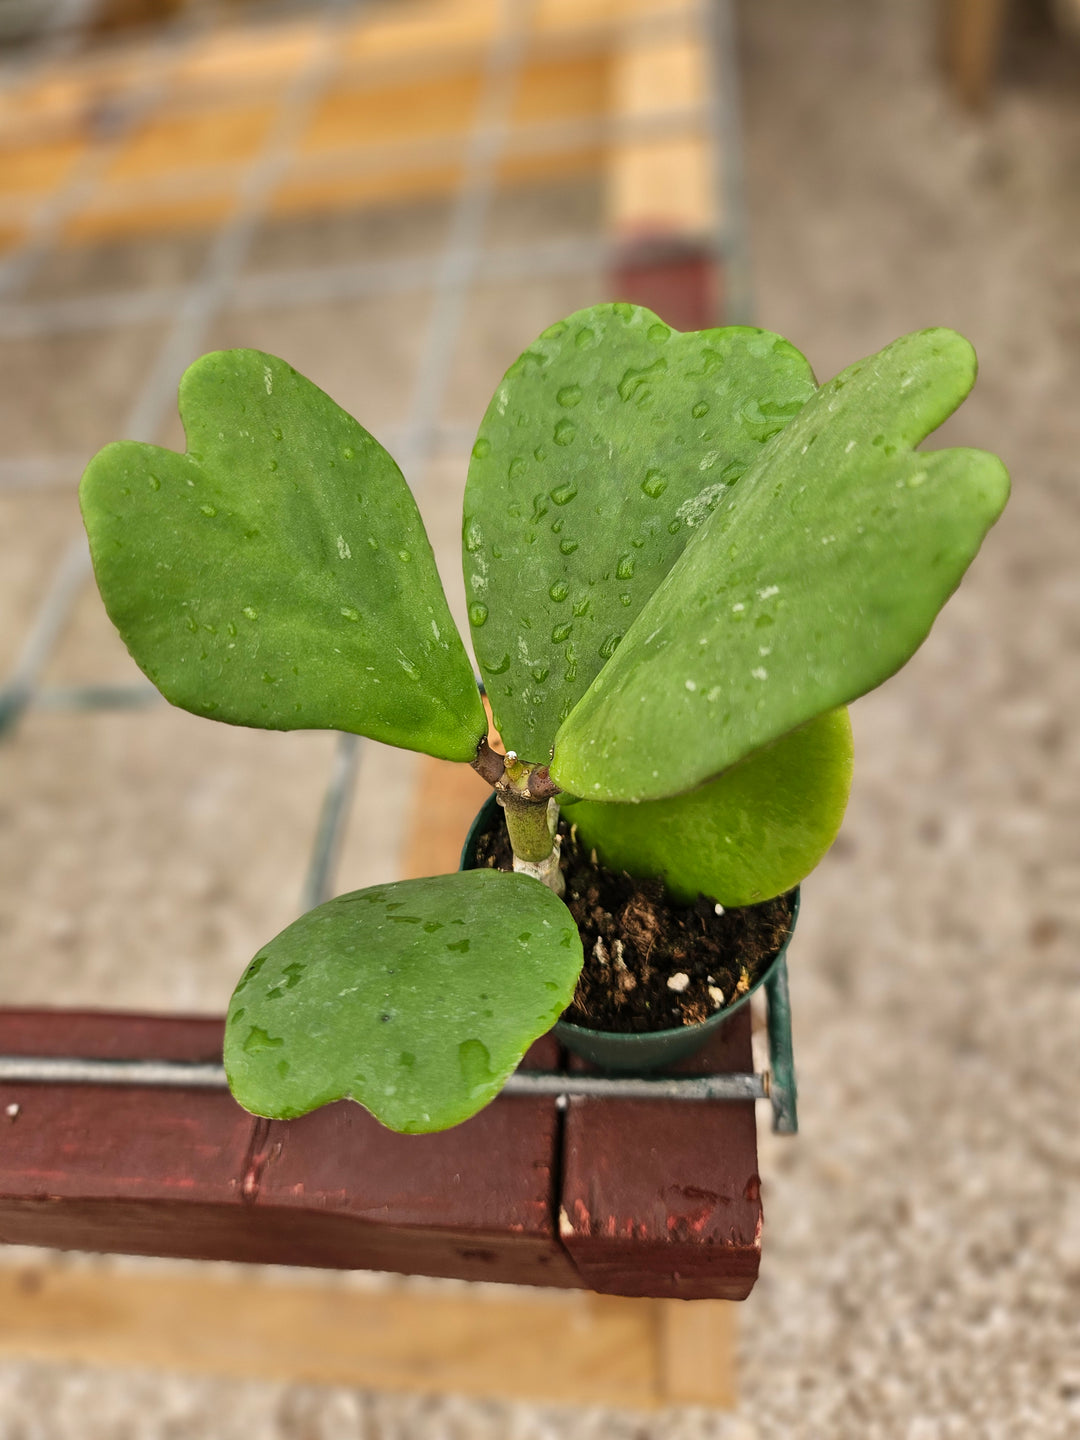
654	1199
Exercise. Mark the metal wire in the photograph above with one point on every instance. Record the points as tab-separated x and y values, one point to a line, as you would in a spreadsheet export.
201	303
205	1075
333	817
296	286
718	21
391	157
19	265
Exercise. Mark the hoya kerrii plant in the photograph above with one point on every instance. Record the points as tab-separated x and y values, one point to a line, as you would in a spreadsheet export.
683	559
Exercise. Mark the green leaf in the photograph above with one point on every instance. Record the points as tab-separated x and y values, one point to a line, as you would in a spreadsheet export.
752	833
815	580
605	447
416	999
278	573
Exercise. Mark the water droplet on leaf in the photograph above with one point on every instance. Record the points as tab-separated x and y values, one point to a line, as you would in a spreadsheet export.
258	1040
475	1061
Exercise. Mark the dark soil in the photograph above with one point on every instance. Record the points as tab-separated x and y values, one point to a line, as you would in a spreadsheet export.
637	941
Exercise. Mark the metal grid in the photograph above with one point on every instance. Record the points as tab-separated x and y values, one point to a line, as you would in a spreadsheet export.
221	287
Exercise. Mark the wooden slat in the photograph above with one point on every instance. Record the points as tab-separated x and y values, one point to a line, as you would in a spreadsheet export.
681	282
37	169
351	117
574	87
190	1174
111	217
407	75
302	193
239	55
660	186
972	32
396	33
175	143
336	1189
446	798
697	1347
556	1348
661	1198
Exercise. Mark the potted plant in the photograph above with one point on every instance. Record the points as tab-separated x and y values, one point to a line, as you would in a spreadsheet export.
682	557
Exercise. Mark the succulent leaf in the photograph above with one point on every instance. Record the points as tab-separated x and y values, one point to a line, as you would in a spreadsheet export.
752	833
416	999
278	573
606	446
812	582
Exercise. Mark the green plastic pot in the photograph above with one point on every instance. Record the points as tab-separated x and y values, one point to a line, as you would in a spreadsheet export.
656	1049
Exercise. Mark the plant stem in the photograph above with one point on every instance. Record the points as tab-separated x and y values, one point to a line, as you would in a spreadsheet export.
527	796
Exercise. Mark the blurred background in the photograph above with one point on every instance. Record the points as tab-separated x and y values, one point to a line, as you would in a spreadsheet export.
397	197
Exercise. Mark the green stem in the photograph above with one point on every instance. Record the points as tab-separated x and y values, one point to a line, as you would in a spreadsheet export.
526	794
527	825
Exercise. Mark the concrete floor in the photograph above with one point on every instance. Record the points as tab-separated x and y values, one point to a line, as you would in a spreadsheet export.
921	1278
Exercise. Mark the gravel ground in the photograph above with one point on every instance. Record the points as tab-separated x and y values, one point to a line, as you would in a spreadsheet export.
921	1278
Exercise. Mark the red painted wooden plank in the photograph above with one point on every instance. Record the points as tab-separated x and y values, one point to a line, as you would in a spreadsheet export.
475	1202
115	1035
680	282
188	1173
663	1198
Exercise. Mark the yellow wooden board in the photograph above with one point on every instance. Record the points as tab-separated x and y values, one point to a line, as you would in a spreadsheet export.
191	141
37	169
660	185
554	1346
392	126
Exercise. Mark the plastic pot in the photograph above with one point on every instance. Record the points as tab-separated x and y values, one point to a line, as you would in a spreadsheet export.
637	1053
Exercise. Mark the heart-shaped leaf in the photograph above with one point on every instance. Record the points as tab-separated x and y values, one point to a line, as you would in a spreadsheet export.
606	446
816	579
417	999
752	833
278	573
